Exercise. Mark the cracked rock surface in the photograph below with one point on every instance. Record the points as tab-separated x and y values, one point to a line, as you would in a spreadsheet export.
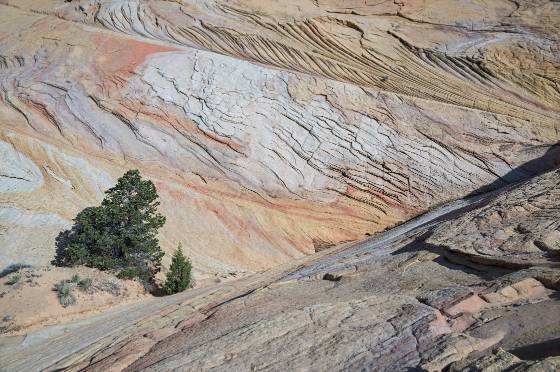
274	132
280	129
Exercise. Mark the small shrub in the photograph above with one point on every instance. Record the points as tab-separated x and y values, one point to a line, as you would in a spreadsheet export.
15	279
64	293
75	279
129	273
179	276
85	284
30	276
110	286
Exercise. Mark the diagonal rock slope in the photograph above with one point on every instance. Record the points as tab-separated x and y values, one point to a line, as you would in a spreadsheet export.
370	45
397	301
271	130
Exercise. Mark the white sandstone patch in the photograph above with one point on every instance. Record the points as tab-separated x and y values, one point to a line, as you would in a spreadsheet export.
95	178
17	217
289	145
28	238
17	172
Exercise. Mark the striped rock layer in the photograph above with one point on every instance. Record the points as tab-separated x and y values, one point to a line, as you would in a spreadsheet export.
271	130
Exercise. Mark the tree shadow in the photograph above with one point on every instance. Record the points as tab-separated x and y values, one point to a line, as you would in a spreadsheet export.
546	349
13	268
63	239
158	291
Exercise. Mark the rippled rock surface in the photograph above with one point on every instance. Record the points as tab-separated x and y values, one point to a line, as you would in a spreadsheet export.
271	130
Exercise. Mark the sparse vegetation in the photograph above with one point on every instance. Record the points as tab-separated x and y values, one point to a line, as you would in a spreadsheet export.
179	276
64	293
110	286
15	280
75	278
64	289
120	234
8	326
129	273
24	275
84	284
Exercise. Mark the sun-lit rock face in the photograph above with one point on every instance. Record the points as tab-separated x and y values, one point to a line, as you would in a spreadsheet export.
270	129
407	299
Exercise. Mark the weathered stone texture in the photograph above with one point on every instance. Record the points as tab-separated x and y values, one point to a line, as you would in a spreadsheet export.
331	120
390	302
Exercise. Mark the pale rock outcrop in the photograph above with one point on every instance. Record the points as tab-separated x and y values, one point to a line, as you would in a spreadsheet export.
502	361
25	234
19	174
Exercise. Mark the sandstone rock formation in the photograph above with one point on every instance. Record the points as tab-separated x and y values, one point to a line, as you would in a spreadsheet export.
271	130
274	130
519	229
393	302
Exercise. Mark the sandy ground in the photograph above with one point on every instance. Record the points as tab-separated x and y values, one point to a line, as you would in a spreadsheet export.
33	303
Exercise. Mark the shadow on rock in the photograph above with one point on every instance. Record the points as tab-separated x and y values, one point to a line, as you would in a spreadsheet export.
549	348
13	268
452	261
549	161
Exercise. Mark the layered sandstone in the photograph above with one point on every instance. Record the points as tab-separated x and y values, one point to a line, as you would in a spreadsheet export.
270	130
393	302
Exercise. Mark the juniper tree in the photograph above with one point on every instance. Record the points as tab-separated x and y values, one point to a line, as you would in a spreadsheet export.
120	234
179	274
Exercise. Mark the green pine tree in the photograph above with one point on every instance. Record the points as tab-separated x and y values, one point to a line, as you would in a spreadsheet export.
120	234
179	275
